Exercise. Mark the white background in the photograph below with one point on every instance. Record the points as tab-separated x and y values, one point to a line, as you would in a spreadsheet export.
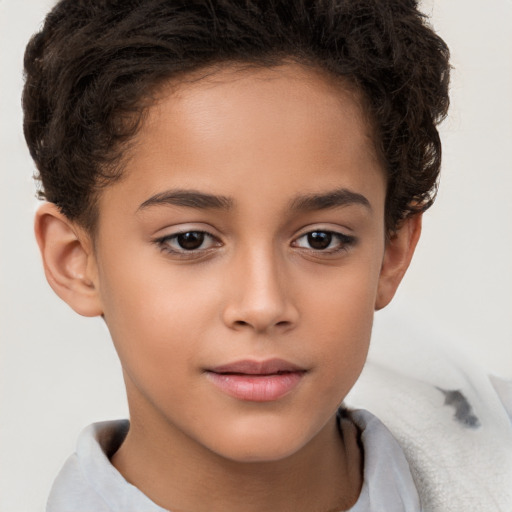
59	372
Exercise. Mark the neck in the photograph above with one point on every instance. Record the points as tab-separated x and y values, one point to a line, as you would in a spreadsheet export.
180	474
304	482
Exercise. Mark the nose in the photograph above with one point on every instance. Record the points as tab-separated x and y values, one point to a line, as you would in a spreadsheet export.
260	296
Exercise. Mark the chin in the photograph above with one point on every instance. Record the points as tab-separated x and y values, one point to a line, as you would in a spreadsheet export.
254	452
260	443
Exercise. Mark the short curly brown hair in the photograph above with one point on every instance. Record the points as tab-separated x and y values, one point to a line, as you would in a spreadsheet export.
91	70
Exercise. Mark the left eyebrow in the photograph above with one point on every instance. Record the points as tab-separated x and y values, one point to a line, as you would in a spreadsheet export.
189	199
332	199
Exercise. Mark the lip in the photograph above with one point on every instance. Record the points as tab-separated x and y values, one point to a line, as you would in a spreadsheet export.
256	381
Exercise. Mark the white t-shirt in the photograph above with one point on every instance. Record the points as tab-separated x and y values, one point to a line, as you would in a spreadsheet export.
88	481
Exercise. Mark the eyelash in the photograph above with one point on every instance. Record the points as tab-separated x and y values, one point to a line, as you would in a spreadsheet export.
164	243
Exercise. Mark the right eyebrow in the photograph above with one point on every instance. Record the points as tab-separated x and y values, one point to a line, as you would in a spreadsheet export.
189	199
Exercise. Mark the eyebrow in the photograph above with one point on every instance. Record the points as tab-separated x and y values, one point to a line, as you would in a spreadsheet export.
332	199
188	198
203	201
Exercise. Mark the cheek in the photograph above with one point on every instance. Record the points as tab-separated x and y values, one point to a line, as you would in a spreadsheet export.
340	321
343	299
154	313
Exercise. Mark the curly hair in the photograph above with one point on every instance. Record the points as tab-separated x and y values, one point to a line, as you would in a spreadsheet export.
91	70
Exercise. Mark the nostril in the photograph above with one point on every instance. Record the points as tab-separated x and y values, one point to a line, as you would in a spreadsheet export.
243	323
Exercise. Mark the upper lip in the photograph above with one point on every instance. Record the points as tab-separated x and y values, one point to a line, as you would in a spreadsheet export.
252	367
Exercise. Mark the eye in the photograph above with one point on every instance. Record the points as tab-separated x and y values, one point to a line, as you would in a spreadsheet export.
326	241
187	242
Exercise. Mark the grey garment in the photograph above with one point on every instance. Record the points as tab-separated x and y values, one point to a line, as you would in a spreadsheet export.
388	484
89	482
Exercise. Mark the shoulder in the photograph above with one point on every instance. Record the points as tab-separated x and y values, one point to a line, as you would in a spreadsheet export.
88	481
387	479
449	417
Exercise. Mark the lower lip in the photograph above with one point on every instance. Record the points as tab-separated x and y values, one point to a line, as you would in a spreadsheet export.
256	388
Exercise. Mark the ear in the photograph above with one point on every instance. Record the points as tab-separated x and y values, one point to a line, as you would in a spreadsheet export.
397	256
68	260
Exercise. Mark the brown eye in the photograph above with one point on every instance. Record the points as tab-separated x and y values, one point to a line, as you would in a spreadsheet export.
328	242
191	240
319	240
188	242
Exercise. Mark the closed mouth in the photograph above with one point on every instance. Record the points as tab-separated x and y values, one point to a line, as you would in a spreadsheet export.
256	381
252	367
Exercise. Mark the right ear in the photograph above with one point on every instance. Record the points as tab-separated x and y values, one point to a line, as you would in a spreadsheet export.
68	259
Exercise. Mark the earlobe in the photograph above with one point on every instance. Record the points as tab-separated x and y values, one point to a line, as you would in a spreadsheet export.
68	260
397	257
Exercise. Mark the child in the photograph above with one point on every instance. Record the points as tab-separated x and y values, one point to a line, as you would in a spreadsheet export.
235	187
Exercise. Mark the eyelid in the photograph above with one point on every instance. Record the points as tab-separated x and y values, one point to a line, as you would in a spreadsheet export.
185	227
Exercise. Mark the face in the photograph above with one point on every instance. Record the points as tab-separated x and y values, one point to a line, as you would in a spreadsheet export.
238	261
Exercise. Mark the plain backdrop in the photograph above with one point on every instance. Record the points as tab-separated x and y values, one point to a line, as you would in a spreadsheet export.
59	371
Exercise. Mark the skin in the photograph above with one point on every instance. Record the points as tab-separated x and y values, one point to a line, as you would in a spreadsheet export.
264	141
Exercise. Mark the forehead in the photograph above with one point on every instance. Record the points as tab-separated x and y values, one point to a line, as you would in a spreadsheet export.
234	128
290	96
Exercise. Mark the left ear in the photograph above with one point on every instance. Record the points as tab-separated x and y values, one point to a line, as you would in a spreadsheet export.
397	257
